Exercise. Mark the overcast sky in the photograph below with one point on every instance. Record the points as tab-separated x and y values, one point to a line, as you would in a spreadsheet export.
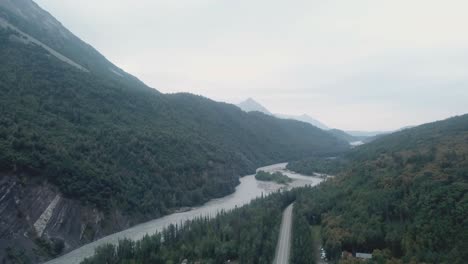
359	65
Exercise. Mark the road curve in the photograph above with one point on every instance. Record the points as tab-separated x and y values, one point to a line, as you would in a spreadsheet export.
283	247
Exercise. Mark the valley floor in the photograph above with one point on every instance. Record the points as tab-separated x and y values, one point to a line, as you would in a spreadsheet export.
248	189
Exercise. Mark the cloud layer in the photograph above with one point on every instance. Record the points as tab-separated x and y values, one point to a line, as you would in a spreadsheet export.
360	64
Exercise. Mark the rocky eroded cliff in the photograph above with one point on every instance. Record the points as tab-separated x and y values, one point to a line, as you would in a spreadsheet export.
44	223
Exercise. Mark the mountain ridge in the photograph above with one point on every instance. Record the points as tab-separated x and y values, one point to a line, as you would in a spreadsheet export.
401	198
31	19
250	105
115	151
305	118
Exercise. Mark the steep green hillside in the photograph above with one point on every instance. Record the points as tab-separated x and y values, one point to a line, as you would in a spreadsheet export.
108	143
28	17
87	149
343	135
403	196
404	199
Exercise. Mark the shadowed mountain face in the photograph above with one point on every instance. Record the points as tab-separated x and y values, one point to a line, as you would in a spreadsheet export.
343	135
102	151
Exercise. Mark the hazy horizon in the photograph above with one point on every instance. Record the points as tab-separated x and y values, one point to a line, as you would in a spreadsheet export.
360	65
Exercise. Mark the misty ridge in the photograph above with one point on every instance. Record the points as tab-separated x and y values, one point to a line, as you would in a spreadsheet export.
233	132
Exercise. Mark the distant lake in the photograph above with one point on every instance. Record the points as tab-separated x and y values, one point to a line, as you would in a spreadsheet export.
356	143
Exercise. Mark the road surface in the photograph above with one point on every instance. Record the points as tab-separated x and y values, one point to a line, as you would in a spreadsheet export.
284	241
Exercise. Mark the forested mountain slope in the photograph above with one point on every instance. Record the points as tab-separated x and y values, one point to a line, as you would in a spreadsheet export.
73	127
403	196
343	135
88	133
35	22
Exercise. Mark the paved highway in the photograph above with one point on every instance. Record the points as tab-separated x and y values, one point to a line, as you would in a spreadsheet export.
284	241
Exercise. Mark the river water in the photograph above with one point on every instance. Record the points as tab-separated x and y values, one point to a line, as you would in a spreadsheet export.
248	189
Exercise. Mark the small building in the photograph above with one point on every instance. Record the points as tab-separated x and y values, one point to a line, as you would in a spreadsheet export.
363	255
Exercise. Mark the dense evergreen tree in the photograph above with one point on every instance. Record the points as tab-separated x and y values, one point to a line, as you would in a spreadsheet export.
120	145
248	235
303	251
405	204
309	166
277	177
403	197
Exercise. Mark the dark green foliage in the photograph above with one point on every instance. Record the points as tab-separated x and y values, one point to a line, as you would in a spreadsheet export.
405	194
17	256
247	234
309	166
302	249
277	177
52	248
343	135
107	143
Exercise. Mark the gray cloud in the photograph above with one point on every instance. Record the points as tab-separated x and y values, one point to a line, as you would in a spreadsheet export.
361	64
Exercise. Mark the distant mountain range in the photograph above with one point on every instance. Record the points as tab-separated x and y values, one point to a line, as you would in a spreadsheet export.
305	118
251	105
369	134
366	133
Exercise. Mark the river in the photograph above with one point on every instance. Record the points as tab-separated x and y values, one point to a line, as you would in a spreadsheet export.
248	189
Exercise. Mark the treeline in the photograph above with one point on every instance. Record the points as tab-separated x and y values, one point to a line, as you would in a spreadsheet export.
303	248
247	235
277	177
138	151
403	198
309	166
